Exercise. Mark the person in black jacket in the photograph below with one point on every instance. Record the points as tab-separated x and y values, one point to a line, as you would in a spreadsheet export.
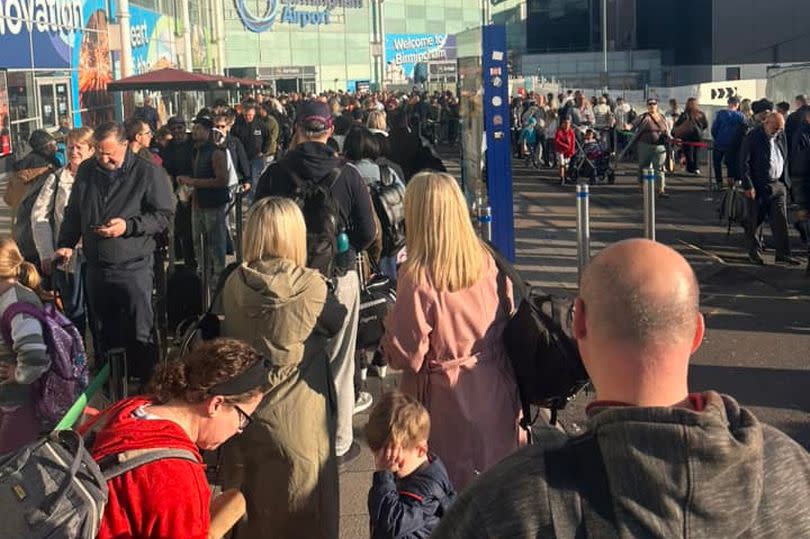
311	160
177	162
118	204
760	109
411	490
795	120
407	148
253	134
209	179
799	166
765	179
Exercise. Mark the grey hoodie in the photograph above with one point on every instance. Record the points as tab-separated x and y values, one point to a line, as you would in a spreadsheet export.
671	472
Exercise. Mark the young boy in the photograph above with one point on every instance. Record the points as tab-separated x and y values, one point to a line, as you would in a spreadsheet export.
410	491
564	145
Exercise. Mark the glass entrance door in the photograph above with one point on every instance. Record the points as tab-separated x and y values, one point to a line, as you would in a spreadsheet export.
54	101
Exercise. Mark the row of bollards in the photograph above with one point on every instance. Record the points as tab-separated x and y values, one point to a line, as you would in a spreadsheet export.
584	217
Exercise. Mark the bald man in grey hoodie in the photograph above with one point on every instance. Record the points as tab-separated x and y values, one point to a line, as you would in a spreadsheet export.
655	460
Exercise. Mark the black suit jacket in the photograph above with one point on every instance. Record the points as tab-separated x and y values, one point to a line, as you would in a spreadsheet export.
755	159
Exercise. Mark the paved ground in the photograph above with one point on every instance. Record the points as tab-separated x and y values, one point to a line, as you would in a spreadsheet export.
757	346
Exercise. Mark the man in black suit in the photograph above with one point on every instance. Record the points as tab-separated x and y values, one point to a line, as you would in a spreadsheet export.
763	168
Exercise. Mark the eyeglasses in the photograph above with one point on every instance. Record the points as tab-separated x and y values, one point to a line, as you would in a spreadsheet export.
147	133
244	417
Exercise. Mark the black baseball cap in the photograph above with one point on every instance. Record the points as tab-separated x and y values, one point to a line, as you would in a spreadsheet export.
762	105
205	121
315	112
40	139
176	120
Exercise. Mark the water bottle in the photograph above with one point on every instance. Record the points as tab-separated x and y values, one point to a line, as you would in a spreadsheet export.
342	242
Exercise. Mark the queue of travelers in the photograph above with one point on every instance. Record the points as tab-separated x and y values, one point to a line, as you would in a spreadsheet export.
757	147
275	393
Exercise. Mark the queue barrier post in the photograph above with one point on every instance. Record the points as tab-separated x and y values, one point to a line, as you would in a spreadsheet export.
649	203
583	228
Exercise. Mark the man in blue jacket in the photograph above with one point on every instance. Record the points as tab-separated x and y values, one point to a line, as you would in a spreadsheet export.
725	125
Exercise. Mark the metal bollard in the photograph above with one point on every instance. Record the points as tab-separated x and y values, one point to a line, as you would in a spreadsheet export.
583	228
649	203
485	222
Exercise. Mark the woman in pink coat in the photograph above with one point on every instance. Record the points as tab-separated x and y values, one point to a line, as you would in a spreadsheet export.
445	332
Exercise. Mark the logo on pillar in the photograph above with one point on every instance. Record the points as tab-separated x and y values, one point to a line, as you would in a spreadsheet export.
255	23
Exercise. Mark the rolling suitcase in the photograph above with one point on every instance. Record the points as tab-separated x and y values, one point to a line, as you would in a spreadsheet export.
184	293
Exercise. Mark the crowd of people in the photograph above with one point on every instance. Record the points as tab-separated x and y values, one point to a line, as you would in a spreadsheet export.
763	149
275	393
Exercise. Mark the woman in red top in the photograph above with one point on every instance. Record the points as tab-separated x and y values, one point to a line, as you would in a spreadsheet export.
564	145
198	403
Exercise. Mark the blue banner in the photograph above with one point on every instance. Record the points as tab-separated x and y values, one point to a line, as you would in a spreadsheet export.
404	51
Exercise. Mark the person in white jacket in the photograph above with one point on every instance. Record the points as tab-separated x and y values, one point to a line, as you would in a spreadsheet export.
49	208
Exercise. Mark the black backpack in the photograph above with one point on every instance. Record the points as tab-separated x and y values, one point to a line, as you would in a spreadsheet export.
388	198
540	345
23	234
322	218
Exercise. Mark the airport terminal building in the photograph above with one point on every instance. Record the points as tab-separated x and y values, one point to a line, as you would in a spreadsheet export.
314	45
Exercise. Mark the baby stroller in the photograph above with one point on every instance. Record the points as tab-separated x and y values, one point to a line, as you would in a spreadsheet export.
592	160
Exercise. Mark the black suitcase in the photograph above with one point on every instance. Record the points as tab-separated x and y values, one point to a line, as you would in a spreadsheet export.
184	295
377	298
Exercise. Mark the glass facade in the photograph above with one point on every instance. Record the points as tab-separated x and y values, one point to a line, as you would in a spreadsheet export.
58	62
301	44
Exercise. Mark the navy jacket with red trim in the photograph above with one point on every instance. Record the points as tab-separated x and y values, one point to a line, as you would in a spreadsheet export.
411	507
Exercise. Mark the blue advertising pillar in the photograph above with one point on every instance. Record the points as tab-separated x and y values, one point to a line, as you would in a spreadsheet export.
496	127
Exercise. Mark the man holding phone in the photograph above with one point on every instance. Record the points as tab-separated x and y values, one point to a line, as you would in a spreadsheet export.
118	204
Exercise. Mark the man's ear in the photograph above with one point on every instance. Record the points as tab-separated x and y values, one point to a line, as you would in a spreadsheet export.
579	326
700	330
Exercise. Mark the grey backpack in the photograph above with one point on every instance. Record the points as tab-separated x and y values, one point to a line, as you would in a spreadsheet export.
53	489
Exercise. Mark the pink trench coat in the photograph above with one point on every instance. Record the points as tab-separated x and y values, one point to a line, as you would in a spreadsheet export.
453	360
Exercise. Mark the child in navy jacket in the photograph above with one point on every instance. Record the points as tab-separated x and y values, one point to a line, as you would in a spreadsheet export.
410	491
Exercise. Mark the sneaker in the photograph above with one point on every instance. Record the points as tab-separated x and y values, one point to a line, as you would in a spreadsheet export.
363	402
697	172
787	260
349	456
663	194
380	371
756	259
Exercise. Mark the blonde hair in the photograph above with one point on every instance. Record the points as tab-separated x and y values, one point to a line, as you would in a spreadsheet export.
377	120
13	266
397	418
80	135
275	229
442	244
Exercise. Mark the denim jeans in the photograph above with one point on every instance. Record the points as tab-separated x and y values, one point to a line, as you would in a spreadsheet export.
653	155
257	166
210	222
